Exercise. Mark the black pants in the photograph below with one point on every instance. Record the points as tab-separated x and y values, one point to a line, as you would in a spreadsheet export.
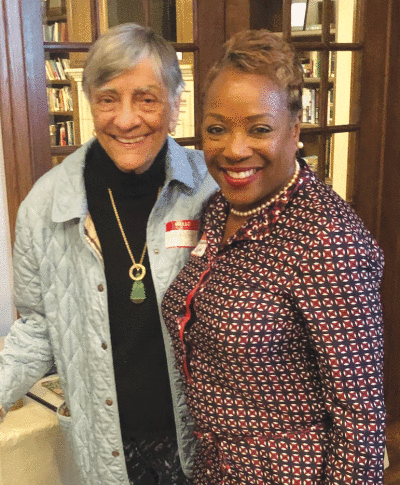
154	461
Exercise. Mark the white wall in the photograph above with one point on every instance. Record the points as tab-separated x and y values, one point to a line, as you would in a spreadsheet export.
7	310
345	12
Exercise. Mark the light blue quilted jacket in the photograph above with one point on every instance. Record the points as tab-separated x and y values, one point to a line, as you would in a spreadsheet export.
61	294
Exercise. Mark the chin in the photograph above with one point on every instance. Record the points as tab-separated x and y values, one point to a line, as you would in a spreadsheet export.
130	166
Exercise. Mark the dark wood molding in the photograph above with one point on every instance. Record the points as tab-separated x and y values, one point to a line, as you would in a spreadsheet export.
66	46
377	170
12	186
211	36
237	16
388	230
367	174
38	121
15	108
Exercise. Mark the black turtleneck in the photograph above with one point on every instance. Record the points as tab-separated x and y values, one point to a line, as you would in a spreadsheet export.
144	396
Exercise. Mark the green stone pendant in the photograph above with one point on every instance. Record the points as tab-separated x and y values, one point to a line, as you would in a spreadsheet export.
138	293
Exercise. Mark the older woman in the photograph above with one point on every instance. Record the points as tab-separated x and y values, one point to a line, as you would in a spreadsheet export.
276	319
99	239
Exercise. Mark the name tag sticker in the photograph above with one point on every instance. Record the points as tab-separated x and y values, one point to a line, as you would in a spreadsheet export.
201	247
181	234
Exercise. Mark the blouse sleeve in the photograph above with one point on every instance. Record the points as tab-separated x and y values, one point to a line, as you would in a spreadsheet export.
339	298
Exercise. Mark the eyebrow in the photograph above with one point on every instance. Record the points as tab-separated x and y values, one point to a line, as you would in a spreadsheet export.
250	118
151	88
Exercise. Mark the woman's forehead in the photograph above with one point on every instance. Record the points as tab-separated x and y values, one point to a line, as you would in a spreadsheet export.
232	87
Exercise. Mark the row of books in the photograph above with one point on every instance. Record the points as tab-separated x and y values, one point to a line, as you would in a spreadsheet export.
55	32
60	99
55	69
312	65
62	134
310	102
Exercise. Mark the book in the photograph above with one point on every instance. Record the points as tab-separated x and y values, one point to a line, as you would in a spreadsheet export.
310	105
70	133
60	99
53	385
62	133
55	69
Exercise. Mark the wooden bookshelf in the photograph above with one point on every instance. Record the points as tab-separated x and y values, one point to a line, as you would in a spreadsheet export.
319	43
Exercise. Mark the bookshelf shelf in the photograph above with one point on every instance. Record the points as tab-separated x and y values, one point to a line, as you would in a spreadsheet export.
56	18
58	82
311	33
63	150
66	46
61	113
317	80
310	127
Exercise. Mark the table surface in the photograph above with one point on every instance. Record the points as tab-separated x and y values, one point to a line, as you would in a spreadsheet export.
33	449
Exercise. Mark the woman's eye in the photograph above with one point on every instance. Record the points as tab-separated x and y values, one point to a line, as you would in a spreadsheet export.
105	103
149	100
261	130
215	130
149	103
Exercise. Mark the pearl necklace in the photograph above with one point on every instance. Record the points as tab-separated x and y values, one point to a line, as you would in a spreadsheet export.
254	211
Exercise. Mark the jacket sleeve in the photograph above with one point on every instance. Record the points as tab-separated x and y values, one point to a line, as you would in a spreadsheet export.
27	353
340	300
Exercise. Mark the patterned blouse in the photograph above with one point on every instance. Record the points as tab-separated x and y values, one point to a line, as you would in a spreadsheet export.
278	335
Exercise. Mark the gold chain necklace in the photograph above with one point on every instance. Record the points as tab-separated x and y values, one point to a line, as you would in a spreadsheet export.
137	271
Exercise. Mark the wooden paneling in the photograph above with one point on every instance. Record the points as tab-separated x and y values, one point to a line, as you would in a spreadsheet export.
237	14
15	110
389	216
210	27
367	175
38	121
7	126
266	14
377	170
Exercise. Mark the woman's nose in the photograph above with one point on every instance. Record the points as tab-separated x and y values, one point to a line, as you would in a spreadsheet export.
237	148
127	116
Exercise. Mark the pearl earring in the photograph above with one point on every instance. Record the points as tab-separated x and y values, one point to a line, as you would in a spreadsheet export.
300	145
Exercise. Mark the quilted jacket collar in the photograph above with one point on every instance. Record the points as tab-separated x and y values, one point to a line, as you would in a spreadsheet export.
180	168
70	196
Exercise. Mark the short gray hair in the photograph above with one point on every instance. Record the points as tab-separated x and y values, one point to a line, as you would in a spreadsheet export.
121	48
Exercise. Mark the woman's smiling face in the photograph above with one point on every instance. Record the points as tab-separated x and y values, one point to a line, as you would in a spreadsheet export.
249	137
132	115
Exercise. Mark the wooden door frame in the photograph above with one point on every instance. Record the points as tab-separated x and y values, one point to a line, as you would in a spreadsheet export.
23	102
373	105
377	176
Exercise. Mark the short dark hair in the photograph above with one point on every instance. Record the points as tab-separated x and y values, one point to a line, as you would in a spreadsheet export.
266	53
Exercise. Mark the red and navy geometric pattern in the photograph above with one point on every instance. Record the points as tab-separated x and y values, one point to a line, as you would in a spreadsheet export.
278	335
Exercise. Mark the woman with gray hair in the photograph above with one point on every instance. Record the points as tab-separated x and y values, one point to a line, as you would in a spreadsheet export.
99	239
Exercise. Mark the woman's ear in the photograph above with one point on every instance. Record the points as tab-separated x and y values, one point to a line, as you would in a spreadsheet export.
174	114
296	127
